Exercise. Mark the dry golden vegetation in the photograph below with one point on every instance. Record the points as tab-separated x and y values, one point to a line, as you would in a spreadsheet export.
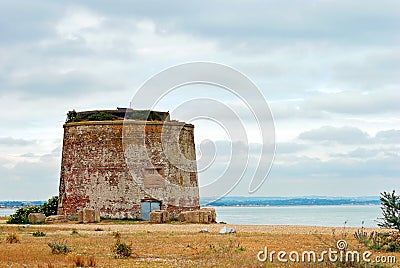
165	245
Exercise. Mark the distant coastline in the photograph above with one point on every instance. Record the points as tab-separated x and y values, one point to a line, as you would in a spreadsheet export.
244	201
288	201
19	204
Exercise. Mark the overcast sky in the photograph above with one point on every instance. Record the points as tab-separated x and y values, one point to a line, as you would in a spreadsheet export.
330	71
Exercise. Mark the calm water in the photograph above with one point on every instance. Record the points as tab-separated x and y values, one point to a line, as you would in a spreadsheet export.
302	215
293	215
6	211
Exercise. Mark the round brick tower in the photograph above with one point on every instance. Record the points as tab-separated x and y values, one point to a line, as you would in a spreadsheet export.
127	167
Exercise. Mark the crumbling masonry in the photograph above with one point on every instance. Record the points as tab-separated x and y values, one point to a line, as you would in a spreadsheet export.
127	168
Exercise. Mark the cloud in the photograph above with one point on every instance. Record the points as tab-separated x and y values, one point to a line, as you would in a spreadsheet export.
9	141
388	136
30	179
318	70
345	135
357	102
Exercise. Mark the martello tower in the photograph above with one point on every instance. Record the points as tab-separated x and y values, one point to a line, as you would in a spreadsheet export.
126	163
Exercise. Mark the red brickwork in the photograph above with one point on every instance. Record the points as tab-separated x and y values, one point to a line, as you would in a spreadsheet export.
94	173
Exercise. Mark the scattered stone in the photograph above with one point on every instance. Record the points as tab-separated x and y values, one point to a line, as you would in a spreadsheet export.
205	230
227	230
88	215
27	225
182	216
192	216
204	215
159	216
213	218
36	217
56	219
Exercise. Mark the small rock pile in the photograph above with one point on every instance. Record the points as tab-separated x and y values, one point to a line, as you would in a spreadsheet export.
159	216
203	215
88	215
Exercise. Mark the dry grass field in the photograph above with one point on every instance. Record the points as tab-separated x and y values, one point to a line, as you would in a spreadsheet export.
169	245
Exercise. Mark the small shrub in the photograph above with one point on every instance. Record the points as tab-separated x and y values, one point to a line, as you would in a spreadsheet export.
38	234
229	248
59	248
101	116
116	235
13	238
122	250
50	207
79	261
98	230
21	215
390	242
74	232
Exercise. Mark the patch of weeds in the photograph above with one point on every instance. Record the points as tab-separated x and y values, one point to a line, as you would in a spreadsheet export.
116	235
74	232
389	242
13	238
335	237
59	248
222	222
79	261
82	261
195	248
38	234
121	249
239	248
227	249
121	221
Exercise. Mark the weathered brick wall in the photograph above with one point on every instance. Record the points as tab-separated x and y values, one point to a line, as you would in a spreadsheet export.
94	173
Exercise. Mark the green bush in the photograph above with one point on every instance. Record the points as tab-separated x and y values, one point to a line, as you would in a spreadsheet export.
101	116
74	232
38	234
389	242
21	215
50	207
390	205
122	250
59	248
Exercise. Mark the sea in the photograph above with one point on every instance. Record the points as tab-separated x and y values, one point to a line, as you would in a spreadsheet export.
326	215
316	215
